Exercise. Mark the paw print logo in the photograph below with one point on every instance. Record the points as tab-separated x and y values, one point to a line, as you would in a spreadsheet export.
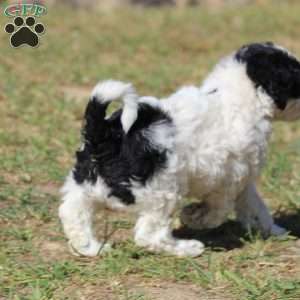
24	32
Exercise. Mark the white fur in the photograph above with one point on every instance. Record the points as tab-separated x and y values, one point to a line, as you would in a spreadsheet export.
217	146
111	90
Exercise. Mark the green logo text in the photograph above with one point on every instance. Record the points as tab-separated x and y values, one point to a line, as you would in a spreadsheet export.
22	9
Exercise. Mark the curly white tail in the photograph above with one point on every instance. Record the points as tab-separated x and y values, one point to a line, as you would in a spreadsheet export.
111	90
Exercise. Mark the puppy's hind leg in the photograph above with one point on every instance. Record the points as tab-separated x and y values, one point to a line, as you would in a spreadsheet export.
153	231
253	213
76	214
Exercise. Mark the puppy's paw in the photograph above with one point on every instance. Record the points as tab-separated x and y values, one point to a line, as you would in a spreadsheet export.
93	248
277	230
188	248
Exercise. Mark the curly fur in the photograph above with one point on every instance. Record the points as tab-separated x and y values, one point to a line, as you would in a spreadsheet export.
207	142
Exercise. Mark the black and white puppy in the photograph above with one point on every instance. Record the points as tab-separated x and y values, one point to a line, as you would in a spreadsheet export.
207	142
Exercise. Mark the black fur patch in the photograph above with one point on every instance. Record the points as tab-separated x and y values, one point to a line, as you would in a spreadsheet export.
115	156
274	70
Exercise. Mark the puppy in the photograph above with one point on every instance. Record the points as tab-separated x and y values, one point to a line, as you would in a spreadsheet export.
207	142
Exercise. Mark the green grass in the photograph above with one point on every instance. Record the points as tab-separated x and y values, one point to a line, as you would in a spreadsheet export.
41	107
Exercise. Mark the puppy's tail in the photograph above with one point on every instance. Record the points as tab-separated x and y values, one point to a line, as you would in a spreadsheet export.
108	91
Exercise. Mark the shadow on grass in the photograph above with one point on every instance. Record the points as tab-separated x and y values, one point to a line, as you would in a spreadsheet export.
231	234
228	236
290	221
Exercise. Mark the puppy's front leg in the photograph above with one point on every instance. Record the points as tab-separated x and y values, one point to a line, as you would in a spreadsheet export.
253	213
153	231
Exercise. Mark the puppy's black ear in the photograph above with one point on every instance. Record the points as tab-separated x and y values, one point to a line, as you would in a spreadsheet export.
273	69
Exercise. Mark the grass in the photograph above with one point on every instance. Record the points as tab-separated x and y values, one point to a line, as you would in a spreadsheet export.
42	98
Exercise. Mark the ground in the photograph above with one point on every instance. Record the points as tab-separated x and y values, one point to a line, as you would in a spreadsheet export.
43	93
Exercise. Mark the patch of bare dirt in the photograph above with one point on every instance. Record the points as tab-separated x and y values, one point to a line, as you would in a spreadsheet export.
54	250
180	291
100	291
136	288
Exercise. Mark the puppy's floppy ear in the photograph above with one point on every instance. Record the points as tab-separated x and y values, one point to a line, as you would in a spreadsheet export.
273	69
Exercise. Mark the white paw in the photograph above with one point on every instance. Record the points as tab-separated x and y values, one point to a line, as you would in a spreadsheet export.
277	230
191	248
93	248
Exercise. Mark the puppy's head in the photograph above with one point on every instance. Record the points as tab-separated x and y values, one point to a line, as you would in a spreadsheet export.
276	71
